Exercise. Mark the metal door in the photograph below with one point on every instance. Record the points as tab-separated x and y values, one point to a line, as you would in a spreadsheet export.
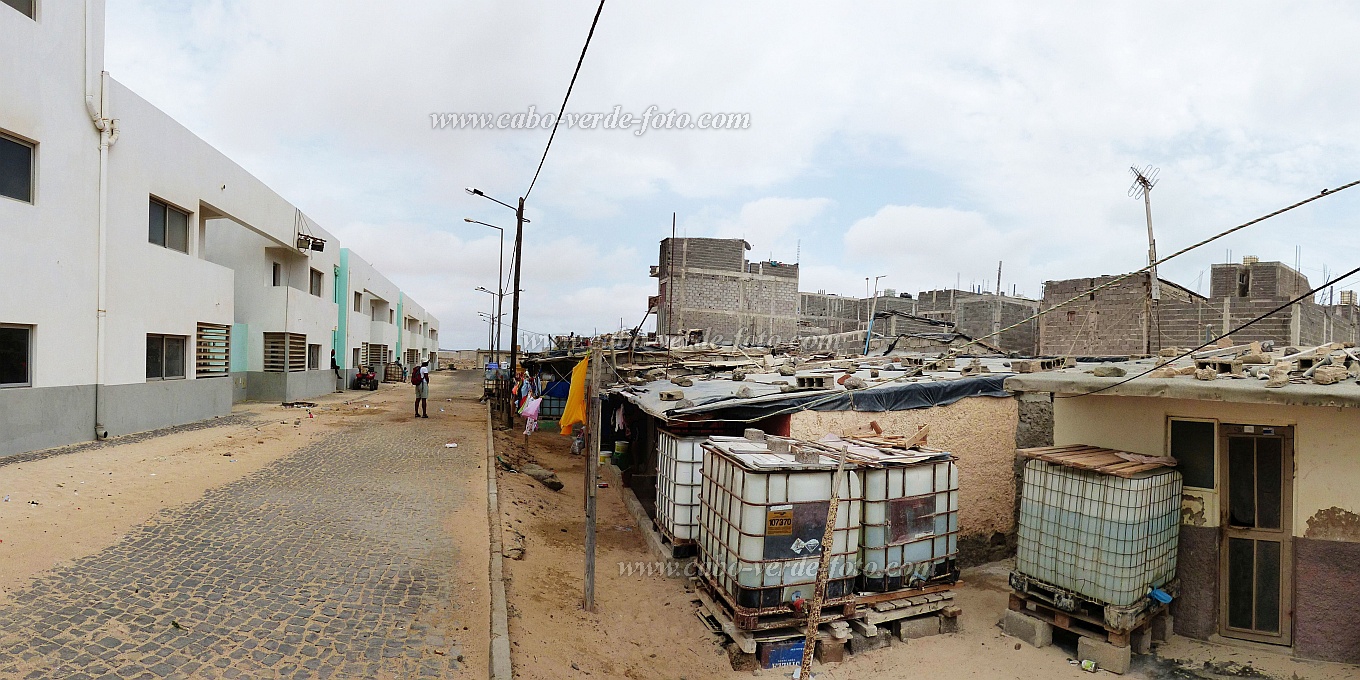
1256	466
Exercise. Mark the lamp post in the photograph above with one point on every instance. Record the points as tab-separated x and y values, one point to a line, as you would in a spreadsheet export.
873	306
500	286
491	330
514	305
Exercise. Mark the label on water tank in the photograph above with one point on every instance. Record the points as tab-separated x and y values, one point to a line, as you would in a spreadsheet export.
796	530
779	520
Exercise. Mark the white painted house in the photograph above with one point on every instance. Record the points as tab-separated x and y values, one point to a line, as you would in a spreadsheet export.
150	281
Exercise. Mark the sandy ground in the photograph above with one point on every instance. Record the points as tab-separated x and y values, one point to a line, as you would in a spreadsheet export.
646	627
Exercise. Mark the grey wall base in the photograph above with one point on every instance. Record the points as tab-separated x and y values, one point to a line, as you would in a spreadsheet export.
281	387
33	418
163	403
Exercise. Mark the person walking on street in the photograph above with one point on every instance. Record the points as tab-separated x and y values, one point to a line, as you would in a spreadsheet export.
420	377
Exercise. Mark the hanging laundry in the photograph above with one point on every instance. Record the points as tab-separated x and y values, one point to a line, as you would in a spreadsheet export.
575	409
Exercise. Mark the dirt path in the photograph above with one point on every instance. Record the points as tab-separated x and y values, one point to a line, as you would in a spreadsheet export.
646	626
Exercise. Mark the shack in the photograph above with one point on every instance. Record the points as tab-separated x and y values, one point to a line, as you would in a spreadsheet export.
966	408
1269	547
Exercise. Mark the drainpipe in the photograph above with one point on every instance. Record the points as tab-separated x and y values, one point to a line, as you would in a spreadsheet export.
108	136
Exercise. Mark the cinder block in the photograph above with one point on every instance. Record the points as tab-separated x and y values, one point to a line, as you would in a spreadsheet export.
1107	656
1037	633
830	651
909	629
1162	628
1141	640
860	644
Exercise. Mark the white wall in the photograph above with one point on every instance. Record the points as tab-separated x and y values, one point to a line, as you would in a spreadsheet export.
1326	455
49	271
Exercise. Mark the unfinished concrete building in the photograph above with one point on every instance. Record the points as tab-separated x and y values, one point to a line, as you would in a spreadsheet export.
980	314
1114	321
707	291
823	313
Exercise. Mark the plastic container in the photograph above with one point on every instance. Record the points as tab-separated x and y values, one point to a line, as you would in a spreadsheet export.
678	478
1108	539
762	521
911	523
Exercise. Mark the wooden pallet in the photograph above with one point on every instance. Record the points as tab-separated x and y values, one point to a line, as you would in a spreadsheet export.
1082	622
1097	459
887	611
718	618
680	548
750	620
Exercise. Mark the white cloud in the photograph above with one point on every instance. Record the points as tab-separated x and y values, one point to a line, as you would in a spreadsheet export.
1028	117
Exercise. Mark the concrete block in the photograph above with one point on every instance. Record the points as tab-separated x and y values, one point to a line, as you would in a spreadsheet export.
1162	628
1141	640
949	620
1107	656
1029	629
830	651
860	644
925	626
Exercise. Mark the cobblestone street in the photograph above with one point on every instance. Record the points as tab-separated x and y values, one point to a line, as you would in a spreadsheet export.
353	557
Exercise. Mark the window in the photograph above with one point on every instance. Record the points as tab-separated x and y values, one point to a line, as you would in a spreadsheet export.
391	316
1071	316
277	274
212	358
285	352
358	301
354	356
314	283
25	7
168	226
1192	445
164	357
15	344
335	276
1243	282
313	357
16	169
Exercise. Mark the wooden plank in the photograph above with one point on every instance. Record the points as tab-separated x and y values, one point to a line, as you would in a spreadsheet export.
744	639
906	594
865	628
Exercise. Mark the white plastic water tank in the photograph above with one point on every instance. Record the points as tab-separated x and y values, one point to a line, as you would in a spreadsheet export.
911	522
1109	539
762	521
678	478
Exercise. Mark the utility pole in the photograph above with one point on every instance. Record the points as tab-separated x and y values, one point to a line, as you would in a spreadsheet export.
1143	181
814	620
514	311
996	319
593	443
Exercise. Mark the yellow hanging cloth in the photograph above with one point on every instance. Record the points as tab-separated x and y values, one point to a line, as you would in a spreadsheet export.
575	409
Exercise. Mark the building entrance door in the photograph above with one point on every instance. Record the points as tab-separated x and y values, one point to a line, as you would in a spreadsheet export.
1256	570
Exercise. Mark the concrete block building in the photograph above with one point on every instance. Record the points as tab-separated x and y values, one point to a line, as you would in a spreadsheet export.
1115	321
150	281
708	291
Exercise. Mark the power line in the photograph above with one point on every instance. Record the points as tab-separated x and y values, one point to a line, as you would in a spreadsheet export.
1153	265
1215	340
563	110
954	351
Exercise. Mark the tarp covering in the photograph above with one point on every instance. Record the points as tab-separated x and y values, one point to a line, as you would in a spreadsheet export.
897	396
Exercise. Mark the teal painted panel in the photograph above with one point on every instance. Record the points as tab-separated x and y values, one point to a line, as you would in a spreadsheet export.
240	347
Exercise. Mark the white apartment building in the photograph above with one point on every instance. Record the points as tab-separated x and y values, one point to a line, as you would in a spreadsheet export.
149	280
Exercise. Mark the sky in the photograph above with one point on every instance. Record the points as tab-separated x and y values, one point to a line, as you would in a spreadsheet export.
921	142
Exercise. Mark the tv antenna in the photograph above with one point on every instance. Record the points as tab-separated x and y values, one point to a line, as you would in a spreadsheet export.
1143	181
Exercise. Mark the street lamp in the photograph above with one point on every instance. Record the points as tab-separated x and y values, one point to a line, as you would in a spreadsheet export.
500	284
490	330
514	307
873	306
